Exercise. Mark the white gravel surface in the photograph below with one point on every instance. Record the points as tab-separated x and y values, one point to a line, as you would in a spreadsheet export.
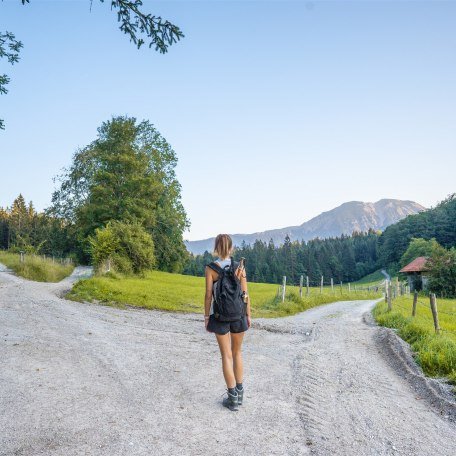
82	379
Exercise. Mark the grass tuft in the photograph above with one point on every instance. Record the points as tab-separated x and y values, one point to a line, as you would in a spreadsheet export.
35	267
436	353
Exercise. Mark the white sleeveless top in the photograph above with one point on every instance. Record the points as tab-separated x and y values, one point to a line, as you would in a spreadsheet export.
222	264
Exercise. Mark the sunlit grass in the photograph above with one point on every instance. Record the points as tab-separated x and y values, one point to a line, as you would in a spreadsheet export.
35	267
436	353
183	293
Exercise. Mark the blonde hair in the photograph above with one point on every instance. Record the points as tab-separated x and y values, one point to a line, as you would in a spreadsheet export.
223	245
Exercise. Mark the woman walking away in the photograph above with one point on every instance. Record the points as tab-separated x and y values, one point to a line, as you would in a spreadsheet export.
227	314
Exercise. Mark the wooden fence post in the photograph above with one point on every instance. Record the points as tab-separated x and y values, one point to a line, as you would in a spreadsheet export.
341	287
415	300
349	288
307	285
301	281
390	292
435	314
283	288
332	285
321	285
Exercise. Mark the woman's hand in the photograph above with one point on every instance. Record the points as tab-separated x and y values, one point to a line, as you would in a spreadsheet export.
206	321
249	321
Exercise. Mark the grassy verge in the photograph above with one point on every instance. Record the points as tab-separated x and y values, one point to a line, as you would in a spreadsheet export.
183	293
36	268
371	279
435	353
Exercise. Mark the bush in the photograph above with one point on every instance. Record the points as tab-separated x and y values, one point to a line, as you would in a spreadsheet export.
126	246
442	271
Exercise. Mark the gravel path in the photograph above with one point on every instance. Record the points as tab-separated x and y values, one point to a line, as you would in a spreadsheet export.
81	379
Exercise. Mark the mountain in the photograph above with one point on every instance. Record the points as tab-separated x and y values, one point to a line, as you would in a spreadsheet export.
344	219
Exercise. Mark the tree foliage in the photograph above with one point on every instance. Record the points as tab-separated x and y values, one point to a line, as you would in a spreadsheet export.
141	27
438	223
126	174
9	50
127	245
418	247
442	272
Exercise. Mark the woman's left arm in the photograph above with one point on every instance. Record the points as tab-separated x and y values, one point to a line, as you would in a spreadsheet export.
243	280
208	295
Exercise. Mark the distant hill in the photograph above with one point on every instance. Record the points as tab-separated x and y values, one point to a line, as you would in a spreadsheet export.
344	219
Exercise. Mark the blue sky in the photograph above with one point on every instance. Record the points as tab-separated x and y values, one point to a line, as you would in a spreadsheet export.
289	108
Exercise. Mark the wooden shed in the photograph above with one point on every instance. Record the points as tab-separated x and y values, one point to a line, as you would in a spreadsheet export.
416	274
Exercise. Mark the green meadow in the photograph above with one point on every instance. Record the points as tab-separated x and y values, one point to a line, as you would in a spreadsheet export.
184	293
436	353
36	267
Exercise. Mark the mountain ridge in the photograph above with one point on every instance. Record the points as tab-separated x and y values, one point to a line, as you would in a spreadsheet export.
344	219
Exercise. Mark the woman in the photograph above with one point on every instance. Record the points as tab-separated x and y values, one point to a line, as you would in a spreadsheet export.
229	334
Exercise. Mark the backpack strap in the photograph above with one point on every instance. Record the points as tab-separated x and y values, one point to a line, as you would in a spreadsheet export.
215	267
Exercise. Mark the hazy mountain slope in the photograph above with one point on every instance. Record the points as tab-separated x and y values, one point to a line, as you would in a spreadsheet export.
344	219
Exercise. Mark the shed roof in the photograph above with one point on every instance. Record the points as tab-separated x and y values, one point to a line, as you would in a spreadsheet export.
417	265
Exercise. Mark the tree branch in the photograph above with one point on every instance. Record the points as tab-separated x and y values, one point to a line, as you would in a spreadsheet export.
133	22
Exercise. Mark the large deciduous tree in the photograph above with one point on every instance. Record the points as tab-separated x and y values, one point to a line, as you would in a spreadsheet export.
126	174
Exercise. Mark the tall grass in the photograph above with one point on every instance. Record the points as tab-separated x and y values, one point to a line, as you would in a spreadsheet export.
35	267
183	293
436	353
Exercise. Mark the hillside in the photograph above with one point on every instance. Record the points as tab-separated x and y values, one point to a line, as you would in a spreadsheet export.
438	222
344	219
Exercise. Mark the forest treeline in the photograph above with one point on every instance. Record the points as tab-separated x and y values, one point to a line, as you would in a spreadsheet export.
344	258
438	223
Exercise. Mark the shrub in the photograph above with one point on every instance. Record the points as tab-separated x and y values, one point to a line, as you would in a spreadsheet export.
127	246
442	271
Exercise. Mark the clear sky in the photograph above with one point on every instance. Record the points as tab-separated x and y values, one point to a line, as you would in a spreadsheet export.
277	110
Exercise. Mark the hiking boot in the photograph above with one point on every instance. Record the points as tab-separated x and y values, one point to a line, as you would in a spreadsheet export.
231	402
240	395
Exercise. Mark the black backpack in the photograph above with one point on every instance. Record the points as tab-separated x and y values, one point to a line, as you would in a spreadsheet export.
227	293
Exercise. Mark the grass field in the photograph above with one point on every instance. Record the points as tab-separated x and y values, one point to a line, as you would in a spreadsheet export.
35	267
371	279
183	293
435	353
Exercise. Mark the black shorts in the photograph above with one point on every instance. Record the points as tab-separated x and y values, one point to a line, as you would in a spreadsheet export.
224	327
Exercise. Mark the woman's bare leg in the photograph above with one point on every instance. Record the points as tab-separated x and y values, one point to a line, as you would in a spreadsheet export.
227	359
236	350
